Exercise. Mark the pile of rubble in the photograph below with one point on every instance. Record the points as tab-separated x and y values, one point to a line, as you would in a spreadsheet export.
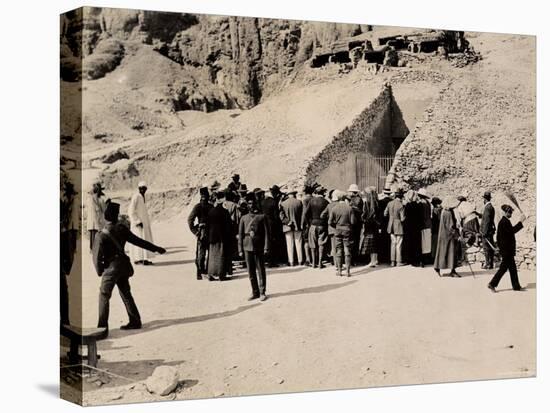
464	59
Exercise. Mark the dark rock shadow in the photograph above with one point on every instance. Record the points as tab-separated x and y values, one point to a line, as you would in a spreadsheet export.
175	262
174	250
155	325
313	290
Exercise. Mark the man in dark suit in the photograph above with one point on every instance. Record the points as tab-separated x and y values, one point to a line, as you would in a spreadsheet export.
198	224
396	216
488	231
254	243
270	208
318	227
506	241
114	267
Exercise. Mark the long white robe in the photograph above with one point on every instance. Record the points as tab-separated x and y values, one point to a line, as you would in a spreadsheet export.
137	212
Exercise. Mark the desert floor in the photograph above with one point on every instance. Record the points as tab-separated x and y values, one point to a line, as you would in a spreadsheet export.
382	326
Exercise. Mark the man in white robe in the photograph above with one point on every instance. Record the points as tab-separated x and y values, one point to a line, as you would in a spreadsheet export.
140	225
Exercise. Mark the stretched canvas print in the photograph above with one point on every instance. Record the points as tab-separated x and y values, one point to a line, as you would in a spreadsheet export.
255	206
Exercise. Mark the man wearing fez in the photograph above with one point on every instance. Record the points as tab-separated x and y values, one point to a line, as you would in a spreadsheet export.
254	242
506	241
291	218
114	267
95	211
198	224
488	231
318	231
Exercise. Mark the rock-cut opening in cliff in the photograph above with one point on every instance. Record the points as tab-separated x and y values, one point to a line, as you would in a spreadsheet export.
364	151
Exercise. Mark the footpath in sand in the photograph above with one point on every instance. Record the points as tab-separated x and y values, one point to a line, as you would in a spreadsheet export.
382	326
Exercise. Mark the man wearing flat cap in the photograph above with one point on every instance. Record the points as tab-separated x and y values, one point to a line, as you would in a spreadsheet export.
506	241
318	227
395	211
291	218
198	224
488	231
114	267
140	225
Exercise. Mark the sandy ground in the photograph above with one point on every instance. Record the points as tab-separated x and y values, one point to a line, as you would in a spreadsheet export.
382	326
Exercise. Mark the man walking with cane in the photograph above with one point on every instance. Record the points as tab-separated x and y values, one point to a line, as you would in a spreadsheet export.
488	231
506	241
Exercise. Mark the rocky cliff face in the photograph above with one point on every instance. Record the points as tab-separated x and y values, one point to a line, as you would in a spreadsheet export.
234	61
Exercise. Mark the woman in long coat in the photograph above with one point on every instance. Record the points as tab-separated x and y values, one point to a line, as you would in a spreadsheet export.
219	239
447	242
436	217
371	226
412	230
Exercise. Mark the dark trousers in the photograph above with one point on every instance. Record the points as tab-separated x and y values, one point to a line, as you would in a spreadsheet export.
256	271
108	282
64	299
488	251
507	264
93	233
200	256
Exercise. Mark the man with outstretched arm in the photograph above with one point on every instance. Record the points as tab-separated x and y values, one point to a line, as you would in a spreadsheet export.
114	266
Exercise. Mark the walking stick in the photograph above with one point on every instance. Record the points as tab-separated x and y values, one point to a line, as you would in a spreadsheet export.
468	261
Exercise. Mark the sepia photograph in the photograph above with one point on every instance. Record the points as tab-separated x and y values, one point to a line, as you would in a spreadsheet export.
253	205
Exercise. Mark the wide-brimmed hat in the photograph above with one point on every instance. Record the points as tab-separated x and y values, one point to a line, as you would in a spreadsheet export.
142	184
275	188
258	191
423	193
507	208
215	186
450	202
338	195
461	198
353	188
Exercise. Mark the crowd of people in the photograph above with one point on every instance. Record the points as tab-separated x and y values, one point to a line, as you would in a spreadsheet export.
254	229
317	227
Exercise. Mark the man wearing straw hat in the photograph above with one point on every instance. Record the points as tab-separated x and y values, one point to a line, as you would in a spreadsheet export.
342	218
506	241
140	225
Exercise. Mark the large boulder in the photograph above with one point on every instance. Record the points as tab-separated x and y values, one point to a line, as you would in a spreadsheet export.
163	381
